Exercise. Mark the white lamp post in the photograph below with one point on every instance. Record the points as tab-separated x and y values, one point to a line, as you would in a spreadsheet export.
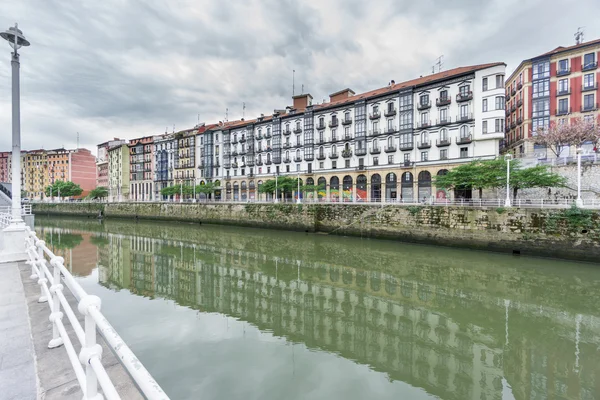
181	190
579	202
299	201
507	158
16	40
276	198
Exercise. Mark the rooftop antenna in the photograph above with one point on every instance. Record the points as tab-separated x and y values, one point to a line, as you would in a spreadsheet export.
243	110
302	88
173	128
438	63
78	140
579	35
227	115
293	82
198	118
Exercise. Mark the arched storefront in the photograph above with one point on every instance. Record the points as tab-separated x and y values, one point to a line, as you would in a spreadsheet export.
407	187
322	183
347	188
361	188
218	190
334	188
251	190
441	194
244	191
258	185
228	191
391	193
310	194
424	183
376	187
236	191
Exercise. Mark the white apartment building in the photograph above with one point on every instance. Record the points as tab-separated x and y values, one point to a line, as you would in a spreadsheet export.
388	143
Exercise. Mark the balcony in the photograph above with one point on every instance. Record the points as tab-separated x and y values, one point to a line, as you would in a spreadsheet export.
465	117
423	124
587	88
589	107
320	126
375	115
234	153
507	95
519	102
234	165
320	156
424	145
375	150
374	132
563	92
287	145
333	156
563	72
234	140
406	146
407	164
466	96
267	135
389	149
347	136
333	123
320	140
287	132
424	106
269	148
444	101
228	177
464	139
443	142
513	108
590	66
391	129
268	162
513	124
309	157
347	153
298	145
361	167
347	121
445	121
259	136
361	152
243	140
519	120
258	163
250	174
513	91
297	130
519	86
297	159
563	111
390	112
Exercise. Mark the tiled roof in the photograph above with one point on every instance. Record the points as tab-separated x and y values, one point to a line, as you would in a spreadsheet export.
561	49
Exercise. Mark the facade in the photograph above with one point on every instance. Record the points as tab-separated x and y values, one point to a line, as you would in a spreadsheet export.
557	86
82	170
36	174
185	157
165	147
58	165
5	171
140	164
118	173
102	161
388	143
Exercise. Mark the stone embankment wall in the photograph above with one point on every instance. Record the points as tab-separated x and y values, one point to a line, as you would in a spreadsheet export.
564	233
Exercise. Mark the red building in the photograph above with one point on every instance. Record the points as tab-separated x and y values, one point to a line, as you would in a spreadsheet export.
556	86
82	170
5	173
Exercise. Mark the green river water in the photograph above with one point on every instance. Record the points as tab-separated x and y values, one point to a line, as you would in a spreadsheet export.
238	313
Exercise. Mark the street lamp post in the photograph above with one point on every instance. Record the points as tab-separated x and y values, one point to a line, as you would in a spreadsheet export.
507	158
298	180
276	198
579	202
181	190
16	40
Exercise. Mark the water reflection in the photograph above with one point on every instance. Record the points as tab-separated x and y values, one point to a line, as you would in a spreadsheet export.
459	324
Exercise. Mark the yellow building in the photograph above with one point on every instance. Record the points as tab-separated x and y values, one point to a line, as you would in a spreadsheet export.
118	172
35	174
185	157
58	165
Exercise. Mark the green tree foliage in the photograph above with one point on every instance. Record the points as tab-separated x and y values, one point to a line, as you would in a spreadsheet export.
66	189
492	174
63	240
285	184
207	188
98	193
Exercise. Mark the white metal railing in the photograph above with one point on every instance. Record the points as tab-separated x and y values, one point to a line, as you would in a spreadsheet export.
6	214
88	363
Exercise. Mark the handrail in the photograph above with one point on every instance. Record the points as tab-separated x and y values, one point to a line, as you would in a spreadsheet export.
5	190
89	306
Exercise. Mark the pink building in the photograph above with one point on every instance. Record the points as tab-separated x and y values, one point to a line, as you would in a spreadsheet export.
82	170
5	174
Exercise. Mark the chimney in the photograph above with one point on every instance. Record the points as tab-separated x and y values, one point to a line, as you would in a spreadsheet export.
341	95
393	83
302	101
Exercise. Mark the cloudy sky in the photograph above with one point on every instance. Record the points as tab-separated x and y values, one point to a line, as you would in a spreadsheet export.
129	68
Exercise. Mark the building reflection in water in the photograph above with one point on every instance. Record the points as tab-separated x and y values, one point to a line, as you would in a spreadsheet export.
413	324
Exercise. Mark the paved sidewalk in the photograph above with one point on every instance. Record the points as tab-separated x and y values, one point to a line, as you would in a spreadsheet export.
17	366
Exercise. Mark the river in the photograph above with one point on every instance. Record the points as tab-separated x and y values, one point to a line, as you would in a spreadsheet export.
239	313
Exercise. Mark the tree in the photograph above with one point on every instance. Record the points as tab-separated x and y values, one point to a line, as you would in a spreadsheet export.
285	184
98	193
556	136
207	188
63	189
538	176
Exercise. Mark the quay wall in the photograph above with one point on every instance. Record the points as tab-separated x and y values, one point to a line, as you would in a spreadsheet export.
561	233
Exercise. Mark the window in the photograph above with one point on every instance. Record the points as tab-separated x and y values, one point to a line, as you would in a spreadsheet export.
334	134
484	105
484	84
588	60
407	157
390	107
541	108
425	137
298	125
376	160
484	127
464	131
391	159
321	122
444	95
287	168
563	65
464	152
375	110
425	118
563	86
390	125
588	81
499	81
347	162
347	116
464	111
563	106
347	132
464	90
423	156
588	102
424	99
321	164
541	69
406	139
406	120
541	88
500	103
333	149
444	154
297	167
334	120
499	125
334	164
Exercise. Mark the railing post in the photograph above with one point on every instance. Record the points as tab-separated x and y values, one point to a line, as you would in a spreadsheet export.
32	249
41	277
56	340
90	348
542	203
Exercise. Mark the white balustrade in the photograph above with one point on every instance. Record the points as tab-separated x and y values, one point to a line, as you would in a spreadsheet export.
88	363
